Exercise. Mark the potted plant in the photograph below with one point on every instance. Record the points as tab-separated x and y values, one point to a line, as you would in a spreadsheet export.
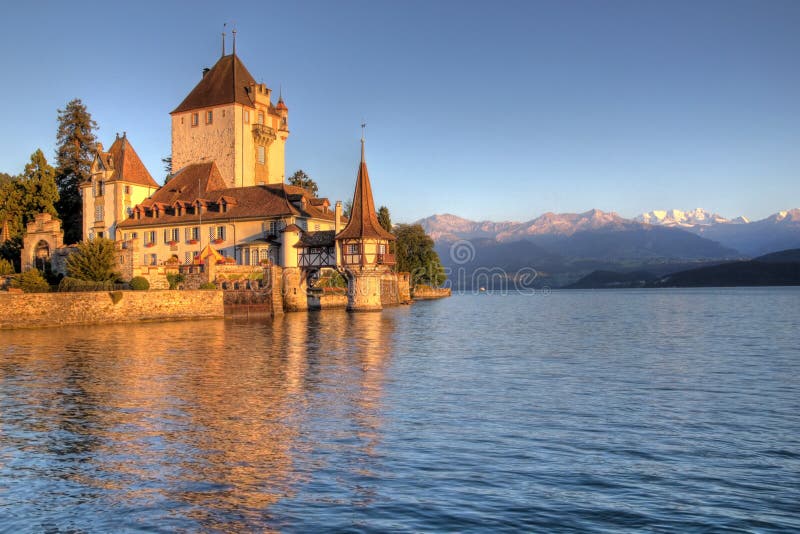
218	241
150	244
192	241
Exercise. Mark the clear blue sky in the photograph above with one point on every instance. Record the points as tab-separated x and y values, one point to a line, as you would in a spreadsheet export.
496	110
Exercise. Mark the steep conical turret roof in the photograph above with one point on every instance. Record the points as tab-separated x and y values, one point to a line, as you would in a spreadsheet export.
363	221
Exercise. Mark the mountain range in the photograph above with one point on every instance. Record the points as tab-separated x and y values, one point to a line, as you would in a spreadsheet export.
564	247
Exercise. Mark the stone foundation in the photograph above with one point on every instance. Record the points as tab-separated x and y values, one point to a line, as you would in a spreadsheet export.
33	310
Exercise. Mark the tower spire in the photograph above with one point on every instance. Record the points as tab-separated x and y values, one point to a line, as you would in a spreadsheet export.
233	32
363	136
224	24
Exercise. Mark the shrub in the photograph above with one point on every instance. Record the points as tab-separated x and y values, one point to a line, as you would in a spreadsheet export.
208	285
140	283
174	279
69	284
6	267
31	281
93	261
116	296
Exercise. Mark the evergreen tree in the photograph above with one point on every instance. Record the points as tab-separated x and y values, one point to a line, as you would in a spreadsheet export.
38	187
94	261
415	254
385	218
76	141
347	208
301	179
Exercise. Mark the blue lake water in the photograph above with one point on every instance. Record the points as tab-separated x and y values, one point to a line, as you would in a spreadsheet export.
658	410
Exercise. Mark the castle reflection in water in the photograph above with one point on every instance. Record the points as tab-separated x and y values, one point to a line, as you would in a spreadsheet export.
204	420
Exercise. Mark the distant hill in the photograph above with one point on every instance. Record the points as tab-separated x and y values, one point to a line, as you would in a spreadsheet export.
740	273
612	279
776	269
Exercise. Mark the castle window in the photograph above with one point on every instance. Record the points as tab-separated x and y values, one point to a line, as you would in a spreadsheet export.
195	119
98	213
209	117
127	190
220	233
262	156
260	117
150	237
247	116
223	112
99	191
352	249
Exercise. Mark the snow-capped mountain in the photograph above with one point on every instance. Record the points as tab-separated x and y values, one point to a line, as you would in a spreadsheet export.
681	218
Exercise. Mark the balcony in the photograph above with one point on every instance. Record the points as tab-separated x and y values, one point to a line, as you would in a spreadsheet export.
263	134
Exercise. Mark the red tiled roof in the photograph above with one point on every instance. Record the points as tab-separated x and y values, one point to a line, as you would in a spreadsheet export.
363	221
227	82
202	182
125	163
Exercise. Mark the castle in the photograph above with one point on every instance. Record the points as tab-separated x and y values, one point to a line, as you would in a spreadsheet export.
227	202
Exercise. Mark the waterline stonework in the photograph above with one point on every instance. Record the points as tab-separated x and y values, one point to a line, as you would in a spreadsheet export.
35	310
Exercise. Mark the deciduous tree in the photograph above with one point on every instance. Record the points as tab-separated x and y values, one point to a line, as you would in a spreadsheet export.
415	254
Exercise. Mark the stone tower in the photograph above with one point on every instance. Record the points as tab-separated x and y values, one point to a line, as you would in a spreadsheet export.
364	247
228	118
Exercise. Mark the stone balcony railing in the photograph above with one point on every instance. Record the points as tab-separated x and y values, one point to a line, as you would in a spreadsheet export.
263	134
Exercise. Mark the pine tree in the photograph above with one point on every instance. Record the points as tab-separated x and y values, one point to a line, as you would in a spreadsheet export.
301	179
94	261
385	218
76	141
38	184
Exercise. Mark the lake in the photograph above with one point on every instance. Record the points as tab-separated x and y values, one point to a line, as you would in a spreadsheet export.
660	410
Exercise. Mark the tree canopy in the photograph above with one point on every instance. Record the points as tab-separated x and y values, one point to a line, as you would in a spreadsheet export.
385	218
75	141
301	179
94	261
415	254
22	197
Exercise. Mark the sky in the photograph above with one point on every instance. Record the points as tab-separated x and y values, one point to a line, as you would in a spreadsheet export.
488	110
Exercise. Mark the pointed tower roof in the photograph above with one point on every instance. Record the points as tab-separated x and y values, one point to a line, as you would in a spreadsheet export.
127	165
226	83
363	221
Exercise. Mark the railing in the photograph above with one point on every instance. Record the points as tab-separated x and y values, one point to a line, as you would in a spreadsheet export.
385	259
263	133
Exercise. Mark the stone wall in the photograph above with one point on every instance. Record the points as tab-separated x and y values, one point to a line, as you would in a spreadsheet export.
34	310
427	292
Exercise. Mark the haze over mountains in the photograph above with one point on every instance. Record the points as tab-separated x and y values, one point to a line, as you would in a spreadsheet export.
568	245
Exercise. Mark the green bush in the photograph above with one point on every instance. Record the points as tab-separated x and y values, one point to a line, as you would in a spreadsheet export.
6	267
94	260
208	285
140	283
70	285
174	279
31	281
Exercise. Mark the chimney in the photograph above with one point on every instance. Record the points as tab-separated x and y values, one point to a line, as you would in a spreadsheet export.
337	216
205	71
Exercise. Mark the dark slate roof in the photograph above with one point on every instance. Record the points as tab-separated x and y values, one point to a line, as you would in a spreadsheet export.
363	221
227	82
324	238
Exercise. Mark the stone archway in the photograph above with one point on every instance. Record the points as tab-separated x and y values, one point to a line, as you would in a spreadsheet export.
41	255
